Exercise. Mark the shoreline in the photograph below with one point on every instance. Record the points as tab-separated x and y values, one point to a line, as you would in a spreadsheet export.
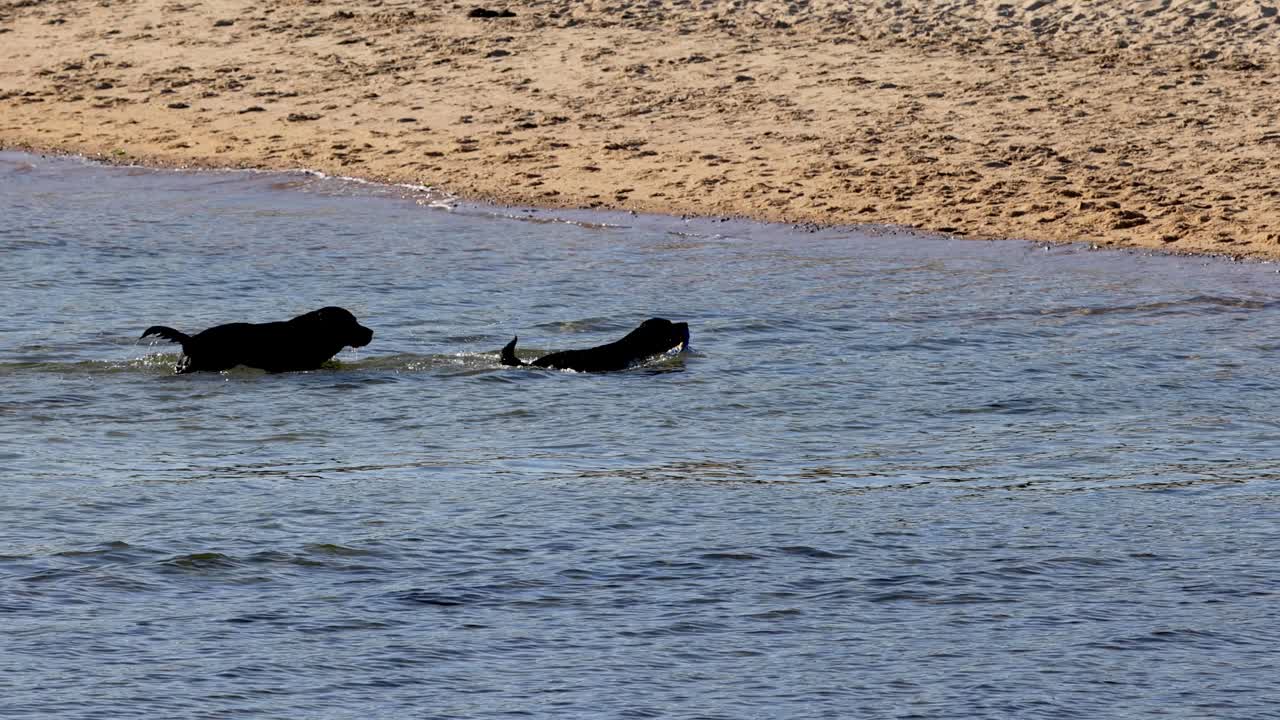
603	217
568	214
1106	134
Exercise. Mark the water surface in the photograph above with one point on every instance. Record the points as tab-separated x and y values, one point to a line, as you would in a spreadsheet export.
895	476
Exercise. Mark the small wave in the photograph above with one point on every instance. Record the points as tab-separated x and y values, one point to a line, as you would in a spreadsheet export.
201	562
426	195
681	471
1194	305
1012	406
729	556
153	364
16	167
164	364
590	324
810	552
462	363
336	550
895	580
902	596
685	627
779	614
114	548
587	220
252	618
1158	640
301	179
441	598
1082	561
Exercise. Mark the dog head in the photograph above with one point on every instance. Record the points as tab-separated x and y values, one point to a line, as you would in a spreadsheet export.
656	336
336	323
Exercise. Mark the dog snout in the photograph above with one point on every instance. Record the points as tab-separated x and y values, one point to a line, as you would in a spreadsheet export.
363	336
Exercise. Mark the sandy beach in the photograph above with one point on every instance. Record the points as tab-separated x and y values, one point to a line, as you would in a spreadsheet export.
1132	123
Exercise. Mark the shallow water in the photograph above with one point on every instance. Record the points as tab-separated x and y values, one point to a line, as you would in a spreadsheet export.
894	477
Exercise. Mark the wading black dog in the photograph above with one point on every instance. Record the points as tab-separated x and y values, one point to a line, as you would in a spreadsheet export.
303	343
654	337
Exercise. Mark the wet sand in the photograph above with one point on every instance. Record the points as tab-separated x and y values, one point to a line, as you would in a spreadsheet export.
1134	123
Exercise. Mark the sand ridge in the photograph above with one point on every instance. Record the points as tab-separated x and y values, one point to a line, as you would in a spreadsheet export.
1152	123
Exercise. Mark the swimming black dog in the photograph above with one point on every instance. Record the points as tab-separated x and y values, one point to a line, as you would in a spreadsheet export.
654	337
303	343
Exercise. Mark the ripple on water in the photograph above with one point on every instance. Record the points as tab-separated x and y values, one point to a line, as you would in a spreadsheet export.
896	476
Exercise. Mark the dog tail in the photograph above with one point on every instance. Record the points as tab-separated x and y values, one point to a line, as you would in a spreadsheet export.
509	354
167	333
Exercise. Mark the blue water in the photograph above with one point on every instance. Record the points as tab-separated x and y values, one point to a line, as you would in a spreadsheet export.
895	476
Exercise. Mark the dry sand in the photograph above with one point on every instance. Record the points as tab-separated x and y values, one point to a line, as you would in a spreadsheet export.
1151	123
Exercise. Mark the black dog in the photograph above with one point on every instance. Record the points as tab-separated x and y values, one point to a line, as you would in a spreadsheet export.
303	343
654	337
